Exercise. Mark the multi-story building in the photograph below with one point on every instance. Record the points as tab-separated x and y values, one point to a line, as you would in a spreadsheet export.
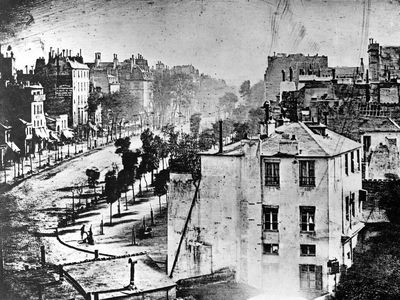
8	149
292	65
66	79
282	212
380	137
8	71
104	75
131	78
26	115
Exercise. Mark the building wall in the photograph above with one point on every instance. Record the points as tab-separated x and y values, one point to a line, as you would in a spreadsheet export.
80	94
59	101
283	269
226	219
277	63
99	78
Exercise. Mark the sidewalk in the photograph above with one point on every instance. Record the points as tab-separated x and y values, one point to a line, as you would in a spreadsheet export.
117	237
37	163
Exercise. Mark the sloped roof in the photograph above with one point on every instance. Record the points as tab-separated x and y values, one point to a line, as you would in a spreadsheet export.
379	124
77	65
310	144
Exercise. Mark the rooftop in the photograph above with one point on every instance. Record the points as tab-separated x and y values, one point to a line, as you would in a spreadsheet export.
379	124
77	65
320	142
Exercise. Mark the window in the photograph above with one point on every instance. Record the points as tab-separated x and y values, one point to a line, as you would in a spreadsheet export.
347	208
271	173
270	218
311	277
352	204
307	250
352	161
307	218
346	164
358	160
271	249
307	173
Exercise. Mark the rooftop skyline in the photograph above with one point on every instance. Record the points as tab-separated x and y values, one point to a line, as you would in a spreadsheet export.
228	39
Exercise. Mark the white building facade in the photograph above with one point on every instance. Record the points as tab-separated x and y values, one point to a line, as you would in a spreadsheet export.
277	211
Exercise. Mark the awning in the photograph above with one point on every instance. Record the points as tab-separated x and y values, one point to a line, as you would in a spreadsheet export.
13	147
68	134
93	127
54	136
41	133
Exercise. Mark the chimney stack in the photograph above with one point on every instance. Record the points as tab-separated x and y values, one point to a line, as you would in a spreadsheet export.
221	145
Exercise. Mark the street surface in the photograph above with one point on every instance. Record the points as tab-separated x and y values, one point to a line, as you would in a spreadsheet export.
30	213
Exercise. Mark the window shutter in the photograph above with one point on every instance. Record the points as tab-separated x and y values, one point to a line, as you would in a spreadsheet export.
318	277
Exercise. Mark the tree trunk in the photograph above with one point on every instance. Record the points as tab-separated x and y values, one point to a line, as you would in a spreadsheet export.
133	192
110	213
126	200
119	207
145	180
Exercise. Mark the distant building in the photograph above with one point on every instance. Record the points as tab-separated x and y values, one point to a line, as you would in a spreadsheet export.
29	129
104	75
380	137
131	77
292	66
8	149
8	71
66	78
283	213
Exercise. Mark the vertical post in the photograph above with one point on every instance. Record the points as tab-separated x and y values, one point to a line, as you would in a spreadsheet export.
61	272
42	255
96	254
1	260
152	216
159	202
101	227
126	200
133	236
132	277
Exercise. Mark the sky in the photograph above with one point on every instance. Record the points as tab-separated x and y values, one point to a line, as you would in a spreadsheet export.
228	39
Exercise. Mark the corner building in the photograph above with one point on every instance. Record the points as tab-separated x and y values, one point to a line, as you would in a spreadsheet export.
277	211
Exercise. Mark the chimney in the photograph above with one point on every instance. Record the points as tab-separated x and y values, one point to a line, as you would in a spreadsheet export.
115	61
26	69
221	145
283	75
290	74
63	53
80	52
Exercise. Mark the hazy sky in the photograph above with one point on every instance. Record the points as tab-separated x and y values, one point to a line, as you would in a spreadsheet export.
228	39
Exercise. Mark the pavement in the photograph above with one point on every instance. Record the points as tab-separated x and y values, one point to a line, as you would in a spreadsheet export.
30	213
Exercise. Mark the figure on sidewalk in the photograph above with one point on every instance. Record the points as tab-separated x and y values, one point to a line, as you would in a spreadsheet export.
82	231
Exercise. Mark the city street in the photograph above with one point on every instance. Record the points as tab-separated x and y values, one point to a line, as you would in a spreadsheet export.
31	210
